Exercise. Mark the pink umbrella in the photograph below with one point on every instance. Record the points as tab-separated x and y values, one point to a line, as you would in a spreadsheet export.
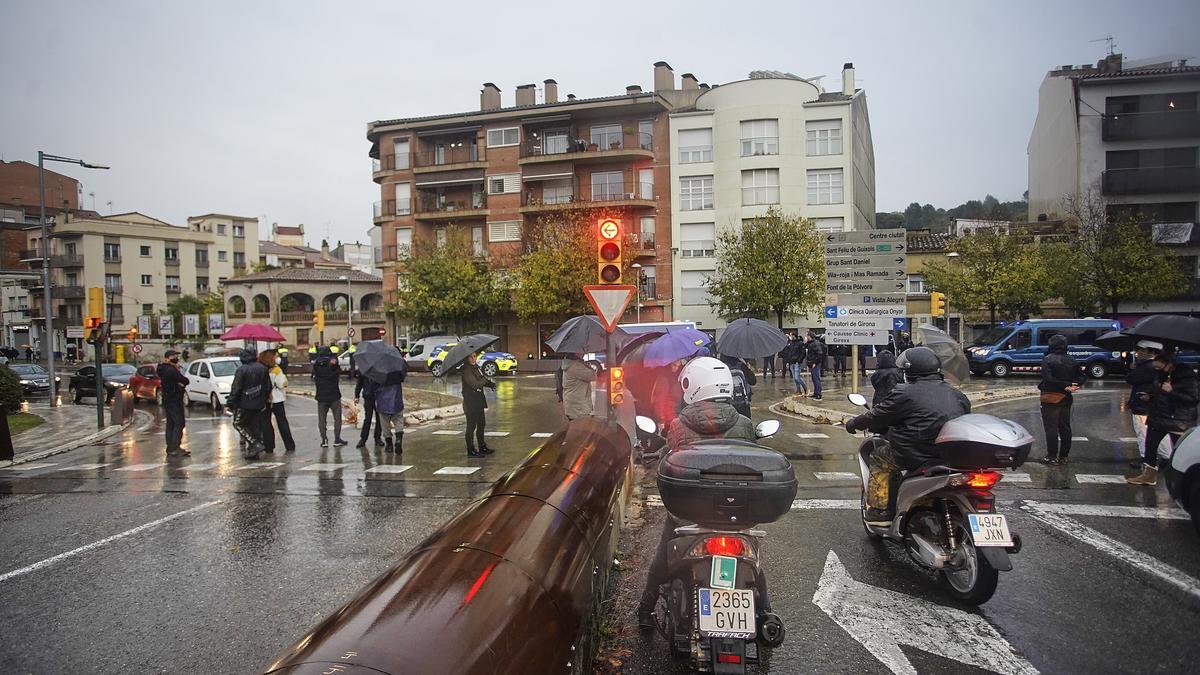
253	331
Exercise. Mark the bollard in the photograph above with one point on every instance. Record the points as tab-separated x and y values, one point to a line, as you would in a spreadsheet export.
510	585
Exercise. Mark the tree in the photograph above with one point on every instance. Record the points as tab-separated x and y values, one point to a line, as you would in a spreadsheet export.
214	303
1111	258
185	304
774	263
447	286
1000	271
558	259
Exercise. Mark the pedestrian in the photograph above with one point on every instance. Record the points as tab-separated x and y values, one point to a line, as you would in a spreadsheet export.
186	355
366	389
815	359
1061	376
474	405
171	384
1141	379
839	359
863	352
269	359
389	401
326	375
886	377
793	359
29	354
743	383
768	365
577	379
282	359
905	342
1172	397
249	397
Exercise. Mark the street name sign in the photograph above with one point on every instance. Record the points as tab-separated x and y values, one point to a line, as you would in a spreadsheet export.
867	299
883	323
609	302
887	261
863	312
863	249
893	235
868	274
860	286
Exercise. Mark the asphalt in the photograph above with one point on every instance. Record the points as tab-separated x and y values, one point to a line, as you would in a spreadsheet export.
212	564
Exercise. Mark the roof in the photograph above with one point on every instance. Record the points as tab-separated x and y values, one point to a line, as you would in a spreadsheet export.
315	258
927	243
510	109
221	215
287	229
833	96
1139	72
306	274
268	247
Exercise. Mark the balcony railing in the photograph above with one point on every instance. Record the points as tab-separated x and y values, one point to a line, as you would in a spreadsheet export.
451	203
457	154
1151	180
174	289
67	292
172	262
113	289
647	289
1148	125
296	317
66	260
547	146
391	163
547	197
260	315
202	263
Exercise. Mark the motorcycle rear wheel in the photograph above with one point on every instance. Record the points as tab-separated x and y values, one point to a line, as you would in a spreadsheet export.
975	581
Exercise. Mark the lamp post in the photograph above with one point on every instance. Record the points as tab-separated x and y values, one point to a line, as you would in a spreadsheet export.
637	267
349	309
950	259
48	344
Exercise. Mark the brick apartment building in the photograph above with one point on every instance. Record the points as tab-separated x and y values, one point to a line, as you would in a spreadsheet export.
493	171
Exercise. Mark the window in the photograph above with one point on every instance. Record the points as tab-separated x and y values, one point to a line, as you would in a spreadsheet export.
403	199
831	224
646	231
239	231
72	279
503	184
171	253
221	229
558	191
112	281
607	185
1075	336
112	252
440	236
222	256
403	241
239	259
201	284
173	284
607	136
696	240
1020	340
144	251
824	137
498	138
400	149
194	369
694	287
648	283
916	284
695	193
506	230
760	186
477	240
825	186
147	280
202	256
695	145
760	137
646	134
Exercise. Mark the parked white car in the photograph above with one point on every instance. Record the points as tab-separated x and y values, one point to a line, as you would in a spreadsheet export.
419	351
209	380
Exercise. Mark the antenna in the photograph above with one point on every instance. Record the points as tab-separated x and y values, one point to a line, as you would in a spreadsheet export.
1111	44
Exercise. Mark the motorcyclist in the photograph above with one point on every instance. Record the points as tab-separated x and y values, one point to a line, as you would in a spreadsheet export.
912	415
707	413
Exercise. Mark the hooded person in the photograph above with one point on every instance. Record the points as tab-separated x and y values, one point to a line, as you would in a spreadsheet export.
1141	377
1061	376
248	400
1173	397
886	377
389	403
326	375
577	378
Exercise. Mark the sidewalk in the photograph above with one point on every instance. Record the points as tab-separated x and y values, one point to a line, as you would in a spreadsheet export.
66	427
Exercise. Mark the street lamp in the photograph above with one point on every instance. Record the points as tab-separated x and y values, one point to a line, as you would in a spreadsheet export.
637	274
49	332
950	258
349	309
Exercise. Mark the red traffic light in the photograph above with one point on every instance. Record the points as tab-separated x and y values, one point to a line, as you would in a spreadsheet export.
610	251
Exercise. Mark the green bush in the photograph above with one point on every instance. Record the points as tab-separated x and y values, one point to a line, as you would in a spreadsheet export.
10	390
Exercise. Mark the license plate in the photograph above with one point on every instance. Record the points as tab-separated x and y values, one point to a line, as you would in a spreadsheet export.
989	529
726	613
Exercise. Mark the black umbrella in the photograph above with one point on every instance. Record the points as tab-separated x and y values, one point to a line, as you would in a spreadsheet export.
580	335
376	360
955	366
751	339
1117	341
633	350
1181	331
467	346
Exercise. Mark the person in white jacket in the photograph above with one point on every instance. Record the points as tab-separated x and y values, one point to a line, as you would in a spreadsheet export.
279	384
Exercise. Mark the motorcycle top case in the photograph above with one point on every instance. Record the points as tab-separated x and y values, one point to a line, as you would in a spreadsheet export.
726	483
978	441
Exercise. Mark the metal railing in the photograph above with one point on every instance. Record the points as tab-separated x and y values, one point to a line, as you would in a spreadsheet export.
172	262
582	192
449	203
174	289
202	263
30	254
392	207
67	292
110	289
391	163
455	154
1146	125
647	289
569	145
1151	180
66	260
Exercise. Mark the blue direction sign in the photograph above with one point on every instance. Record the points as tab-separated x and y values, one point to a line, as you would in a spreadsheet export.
900	324
831	312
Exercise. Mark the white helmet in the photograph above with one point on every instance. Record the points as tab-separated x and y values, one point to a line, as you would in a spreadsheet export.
705	379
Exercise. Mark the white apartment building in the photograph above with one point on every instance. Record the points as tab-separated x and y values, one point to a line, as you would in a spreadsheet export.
360	257
772	140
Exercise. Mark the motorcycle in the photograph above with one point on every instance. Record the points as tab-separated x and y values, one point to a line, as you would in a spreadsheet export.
711	609
945	515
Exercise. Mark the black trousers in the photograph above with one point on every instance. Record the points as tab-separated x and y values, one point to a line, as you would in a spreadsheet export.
248	424
476	421
369	413
1056	420
768	364
1155	435
174	422
839	364
285	428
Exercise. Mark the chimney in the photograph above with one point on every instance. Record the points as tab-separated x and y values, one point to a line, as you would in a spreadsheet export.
489	98
689	82
848	79
633	89
570	97
325	248
704	86
664	77
551	91
527	94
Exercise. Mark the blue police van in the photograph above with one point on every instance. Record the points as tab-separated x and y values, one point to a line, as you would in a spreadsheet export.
1019	347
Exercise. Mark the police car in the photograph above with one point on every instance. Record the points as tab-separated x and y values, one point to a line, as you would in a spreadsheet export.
491	363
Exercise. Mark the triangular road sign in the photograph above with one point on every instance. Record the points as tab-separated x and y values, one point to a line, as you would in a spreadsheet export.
609	302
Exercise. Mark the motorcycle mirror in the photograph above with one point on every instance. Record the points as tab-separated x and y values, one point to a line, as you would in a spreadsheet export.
766	428
646	424
857	399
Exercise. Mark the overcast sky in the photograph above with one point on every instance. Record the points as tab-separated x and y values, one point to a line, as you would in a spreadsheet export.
260	108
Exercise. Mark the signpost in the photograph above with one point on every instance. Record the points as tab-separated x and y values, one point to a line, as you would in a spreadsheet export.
610	303
865	283
135	348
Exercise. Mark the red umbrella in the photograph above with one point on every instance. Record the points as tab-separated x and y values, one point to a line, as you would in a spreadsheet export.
253	331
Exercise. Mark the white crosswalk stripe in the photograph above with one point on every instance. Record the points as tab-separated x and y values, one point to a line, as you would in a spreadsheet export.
389	468
495	433
260	465
1079	438
323	467
447	432
141	467
1016	478
1098	478
203	466
1128	439
835	475
456	470
84	467
813	435
30	466
541	434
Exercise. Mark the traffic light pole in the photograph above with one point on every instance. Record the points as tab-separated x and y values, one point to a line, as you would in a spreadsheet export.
610	360
99	345
854	369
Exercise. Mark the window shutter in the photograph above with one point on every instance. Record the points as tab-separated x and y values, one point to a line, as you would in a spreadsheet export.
505	184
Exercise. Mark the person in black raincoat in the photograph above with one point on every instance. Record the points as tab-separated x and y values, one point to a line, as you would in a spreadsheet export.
1173	397
1141	377
474	405
249	397
1061	377
885	378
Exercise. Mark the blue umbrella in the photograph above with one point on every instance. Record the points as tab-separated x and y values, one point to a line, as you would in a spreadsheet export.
675	346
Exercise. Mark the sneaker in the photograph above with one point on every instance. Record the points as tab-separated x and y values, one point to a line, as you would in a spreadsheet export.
1061	461
1048	460
816	398
339	443
388	446
324	443
877	517
486	450
1148	476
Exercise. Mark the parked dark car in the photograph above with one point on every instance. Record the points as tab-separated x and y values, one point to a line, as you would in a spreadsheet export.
116	378
144	383
34	378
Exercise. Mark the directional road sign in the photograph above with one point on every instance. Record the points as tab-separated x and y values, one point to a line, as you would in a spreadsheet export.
864	311
864	249
859	286
865	283
856	336
897	299
900	324
880	323
885	261
893	235
867	274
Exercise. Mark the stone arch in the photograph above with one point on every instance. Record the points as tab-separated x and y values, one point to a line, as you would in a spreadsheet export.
371	302
237	305
296	302
335	302
261	304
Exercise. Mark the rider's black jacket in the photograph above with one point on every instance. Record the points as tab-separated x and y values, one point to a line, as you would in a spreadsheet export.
912	415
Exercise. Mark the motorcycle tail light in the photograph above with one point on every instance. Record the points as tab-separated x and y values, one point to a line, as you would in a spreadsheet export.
729	546
982	480
729	658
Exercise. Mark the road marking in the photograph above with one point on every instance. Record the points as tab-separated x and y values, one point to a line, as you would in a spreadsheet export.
495	433
456	470
31	466
1128	439
199	467
1107	544
882	620
97	544
447	432
1079	438
83	467
813	435
541	434
141	467
323	467
259	465
814	504
1099	478
654	500
1166	512
1016	477
389	468
835	475
205	432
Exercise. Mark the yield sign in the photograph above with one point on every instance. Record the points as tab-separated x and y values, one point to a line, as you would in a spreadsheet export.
609	302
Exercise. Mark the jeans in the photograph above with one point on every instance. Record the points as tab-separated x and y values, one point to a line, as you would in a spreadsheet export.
285	428
815	369
248	424
798	377
323	409
1139	430
1056	420
370	413
175	422
476	421
1154	437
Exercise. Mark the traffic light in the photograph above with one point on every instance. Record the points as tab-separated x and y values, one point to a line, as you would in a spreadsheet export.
95	303
616	385
132	336
608	251
319	321
937	304
94	326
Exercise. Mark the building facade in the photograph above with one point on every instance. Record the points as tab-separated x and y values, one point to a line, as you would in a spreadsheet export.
773	140
286	299
359	256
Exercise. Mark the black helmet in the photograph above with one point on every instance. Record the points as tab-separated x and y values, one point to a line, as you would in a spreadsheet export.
919	361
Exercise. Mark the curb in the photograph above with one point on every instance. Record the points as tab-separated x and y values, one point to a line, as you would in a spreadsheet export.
837	417
65	447
412	419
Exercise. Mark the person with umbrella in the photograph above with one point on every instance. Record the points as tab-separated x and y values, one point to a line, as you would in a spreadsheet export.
249	398
1172	397
1061	376
577	379
389	402
365	389
277	409
1141	380
466	354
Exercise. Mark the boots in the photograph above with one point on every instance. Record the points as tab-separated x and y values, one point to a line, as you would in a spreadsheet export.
1148	476
387	445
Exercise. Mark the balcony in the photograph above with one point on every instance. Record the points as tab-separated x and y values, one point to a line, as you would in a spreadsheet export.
30	255
113	289
296	317
68	292
172	262
643	244
112	258
451	206
1151	125
390	208
202	264
628	192
388	164
1151	180
66	260
260	315
389	255
174	290
450	159
606	148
